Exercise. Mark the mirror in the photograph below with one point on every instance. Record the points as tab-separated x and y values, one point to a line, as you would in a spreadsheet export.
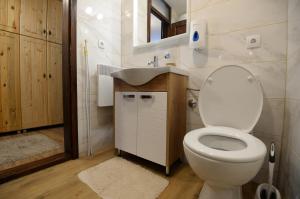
159	20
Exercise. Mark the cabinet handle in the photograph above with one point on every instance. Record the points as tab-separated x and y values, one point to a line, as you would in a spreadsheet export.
50	32
44	75
50	76
129	96
146	96
45	31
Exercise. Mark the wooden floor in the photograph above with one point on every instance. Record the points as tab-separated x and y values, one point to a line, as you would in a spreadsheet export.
61	181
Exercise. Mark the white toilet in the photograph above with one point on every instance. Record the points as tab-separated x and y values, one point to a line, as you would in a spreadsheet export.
224	154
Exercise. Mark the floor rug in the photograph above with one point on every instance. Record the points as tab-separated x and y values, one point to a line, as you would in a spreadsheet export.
118	178
23	148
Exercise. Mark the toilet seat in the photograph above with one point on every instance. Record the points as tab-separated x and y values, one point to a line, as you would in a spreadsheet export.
253	150
231	96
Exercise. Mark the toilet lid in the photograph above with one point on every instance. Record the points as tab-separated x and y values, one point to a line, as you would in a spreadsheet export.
231	96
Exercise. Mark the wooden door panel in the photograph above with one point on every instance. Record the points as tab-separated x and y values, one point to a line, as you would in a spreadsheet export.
54	21
33	82
55	87
33	18
10	15
10	112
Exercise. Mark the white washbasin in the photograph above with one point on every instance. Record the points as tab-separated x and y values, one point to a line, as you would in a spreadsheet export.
140	76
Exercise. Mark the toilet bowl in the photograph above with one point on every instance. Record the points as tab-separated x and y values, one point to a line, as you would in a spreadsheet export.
224	154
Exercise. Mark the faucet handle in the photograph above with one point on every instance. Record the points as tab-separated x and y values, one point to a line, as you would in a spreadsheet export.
150	62
167	55
154	62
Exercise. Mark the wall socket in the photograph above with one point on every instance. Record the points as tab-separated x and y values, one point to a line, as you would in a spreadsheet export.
101	44
253	41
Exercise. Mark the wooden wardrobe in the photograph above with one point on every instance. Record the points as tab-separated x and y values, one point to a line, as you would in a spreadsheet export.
31	64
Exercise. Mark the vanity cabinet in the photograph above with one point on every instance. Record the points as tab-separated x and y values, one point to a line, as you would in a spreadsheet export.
150	120
141	123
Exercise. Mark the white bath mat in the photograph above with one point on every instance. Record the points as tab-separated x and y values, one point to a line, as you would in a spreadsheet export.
118	178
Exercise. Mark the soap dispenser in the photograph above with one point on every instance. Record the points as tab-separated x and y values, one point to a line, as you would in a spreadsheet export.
198	34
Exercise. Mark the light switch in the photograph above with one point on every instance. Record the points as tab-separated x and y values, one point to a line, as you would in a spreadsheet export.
253	41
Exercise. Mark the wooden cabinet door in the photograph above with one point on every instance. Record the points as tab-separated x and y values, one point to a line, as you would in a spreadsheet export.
10	15
55	87
33	82
126	121
54	21
152	126
33	18
10	112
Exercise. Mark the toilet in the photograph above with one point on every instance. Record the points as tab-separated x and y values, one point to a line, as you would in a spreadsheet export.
224	153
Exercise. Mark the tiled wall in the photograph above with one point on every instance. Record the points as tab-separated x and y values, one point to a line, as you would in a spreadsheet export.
290	163
97	20
229	22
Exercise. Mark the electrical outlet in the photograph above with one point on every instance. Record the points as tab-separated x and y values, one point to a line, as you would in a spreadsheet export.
253	41
101	44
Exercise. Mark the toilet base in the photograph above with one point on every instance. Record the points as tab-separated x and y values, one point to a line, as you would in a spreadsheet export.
214	192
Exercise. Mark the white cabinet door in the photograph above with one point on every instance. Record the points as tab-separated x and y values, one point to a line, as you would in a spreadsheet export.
126	121
152	126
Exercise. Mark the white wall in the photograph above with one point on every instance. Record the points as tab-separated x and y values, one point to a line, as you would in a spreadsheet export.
229	22
290	164
97	20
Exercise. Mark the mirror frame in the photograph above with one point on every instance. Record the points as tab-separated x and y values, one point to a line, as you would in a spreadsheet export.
167	41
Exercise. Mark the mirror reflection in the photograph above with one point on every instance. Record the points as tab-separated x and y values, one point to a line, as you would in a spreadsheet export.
155	20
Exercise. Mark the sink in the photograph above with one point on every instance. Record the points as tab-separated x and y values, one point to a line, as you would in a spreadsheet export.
140	76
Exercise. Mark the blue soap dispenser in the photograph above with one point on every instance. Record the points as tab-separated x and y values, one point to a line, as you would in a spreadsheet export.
198	34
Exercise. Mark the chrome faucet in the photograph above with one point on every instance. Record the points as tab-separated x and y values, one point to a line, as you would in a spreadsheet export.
154	62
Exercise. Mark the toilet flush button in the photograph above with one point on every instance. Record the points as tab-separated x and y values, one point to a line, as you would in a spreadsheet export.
210	80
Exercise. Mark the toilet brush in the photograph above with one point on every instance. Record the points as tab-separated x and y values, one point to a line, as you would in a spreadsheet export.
267	190
271	169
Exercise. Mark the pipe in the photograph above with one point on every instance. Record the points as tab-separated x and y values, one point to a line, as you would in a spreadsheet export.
87	99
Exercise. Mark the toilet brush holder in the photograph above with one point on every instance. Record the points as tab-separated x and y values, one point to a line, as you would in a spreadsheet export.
262	192
268	191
